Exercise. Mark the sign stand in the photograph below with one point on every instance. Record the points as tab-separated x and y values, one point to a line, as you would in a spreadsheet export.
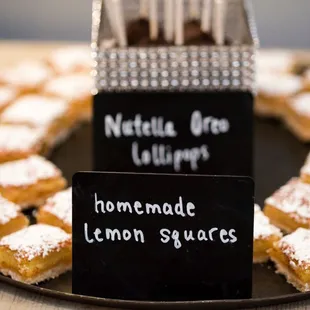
176	109
154	237
200	133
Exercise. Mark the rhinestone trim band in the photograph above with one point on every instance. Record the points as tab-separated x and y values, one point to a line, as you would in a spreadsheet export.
176	68
172	68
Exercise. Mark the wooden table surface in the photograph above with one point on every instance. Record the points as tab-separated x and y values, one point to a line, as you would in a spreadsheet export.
12	298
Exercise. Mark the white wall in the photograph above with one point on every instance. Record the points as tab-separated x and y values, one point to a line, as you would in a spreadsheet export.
282	23
45	19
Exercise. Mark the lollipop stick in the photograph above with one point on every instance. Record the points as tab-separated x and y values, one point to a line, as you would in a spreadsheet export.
144	9
168	20
110	14
119	22
194	9
179	22
153	19
108	43
219	21
206	16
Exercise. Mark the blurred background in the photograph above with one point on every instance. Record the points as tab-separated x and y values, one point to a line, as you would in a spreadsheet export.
281	23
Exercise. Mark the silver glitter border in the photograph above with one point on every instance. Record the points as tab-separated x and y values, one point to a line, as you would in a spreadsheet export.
186	68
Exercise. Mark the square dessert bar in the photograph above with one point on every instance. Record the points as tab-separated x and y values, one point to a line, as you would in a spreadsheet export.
57	211
289	207
305	171
11	218
27	77
7	95
76	89
71	59
273	91
17	142
291	256
36	253
265	234
29	182
50	114
275	61
296	115
307	80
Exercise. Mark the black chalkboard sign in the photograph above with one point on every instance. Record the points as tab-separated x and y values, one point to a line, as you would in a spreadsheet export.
192	133
162	237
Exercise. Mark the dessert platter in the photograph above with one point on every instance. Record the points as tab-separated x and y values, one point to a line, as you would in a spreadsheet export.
46	137
27	179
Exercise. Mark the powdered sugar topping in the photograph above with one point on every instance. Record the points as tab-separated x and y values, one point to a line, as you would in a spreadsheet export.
306	167
70	87
301	104
60	205
293	198
262	226
35	110
296	247
274	61
7	94
28	74
278	84
71	59
19	138
27	171
307	75
36	240
8	210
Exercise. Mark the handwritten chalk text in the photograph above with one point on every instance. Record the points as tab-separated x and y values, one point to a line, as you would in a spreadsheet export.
161	155
179	208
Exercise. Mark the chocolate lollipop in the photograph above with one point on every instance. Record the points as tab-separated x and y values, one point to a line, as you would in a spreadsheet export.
147	32
199	32
192	33
138	30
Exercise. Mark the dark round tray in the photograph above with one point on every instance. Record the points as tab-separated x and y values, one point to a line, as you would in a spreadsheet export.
278	157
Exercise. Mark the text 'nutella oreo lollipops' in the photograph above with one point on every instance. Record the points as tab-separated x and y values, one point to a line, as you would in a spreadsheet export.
174	93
